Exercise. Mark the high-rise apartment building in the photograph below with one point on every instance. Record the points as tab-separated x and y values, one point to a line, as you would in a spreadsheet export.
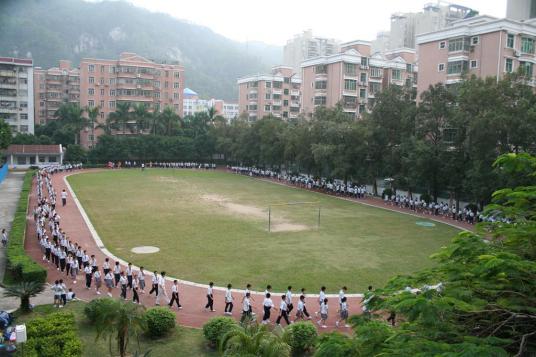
305	46
193	104
54	87
382	42
354	76
435	16
130	79
521	9
17	94
277	94
483	46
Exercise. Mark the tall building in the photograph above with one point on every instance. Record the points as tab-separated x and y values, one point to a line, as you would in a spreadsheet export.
230	111
277	94
53	87
435	16
305	46
17	94
382	42
483	46
130	79
354	76
193	104
521	9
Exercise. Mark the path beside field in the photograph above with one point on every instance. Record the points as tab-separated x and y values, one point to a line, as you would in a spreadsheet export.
192	296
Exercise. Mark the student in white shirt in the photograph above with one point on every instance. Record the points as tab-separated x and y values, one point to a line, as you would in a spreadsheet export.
343	313
154	281
129	275
98	280
63	197
162	288
123	282
56	288
109	281
74	269
342	293
141	280
135	284
71	295
321	297
288	300
301	311
246	308
175	294
228	300
87	270
323	313
283	311
117	273
210	298
106	266
267	305
63	292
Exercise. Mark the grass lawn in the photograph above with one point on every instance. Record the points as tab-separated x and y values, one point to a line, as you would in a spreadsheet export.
212	226
182	342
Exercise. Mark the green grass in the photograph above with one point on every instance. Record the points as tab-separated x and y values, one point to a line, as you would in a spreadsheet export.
181	343
202	241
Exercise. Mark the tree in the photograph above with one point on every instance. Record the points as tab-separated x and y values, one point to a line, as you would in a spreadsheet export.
92	113
24	291
118	120
141	116
71	117
253	340
121	320
168	121
5	134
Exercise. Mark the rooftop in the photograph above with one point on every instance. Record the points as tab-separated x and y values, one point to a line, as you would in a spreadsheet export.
34	149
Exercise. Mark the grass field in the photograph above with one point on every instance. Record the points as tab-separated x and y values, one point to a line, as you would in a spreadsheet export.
212	226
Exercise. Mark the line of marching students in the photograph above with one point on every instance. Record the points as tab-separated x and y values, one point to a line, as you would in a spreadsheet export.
72	260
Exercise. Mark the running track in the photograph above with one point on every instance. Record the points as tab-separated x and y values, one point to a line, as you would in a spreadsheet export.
192	296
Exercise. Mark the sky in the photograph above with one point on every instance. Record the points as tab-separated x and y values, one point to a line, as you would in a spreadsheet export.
276	21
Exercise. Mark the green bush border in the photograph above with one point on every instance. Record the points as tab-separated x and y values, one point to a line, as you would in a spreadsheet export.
20	266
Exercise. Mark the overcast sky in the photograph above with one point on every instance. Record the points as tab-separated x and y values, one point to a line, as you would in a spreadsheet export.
275	21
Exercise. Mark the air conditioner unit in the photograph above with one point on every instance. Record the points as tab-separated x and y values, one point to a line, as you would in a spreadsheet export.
517	53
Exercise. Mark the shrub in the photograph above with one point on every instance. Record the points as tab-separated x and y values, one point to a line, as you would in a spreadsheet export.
334	344
217	327
387	192
91	310
301	336
160	321
53	336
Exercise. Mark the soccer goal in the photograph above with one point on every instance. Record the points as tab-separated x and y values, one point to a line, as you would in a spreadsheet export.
294	216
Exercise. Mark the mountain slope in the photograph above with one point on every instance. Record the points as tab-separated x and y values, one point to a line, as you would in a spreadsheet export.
50	30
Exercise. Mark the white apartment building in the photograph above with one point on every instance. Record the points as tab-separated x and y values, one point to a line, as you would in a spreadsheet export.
17	94
305	46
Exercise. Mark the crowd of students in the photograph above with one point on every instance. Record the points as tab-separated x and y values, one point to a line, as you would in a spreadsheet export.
165	165
70	259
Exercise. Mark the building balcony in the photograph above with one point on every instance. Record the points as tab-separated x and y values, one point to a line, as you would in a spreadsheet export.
277	91
277	102
8	74
8	85
295	92
376	79
350	93
294	104
349	108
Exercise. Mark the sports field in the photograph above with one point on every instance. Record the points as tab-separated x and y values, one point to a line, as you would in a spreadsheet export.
212	226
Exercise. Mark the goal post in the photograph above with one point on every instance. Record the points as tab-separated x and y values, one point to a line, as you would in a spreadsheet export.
315	204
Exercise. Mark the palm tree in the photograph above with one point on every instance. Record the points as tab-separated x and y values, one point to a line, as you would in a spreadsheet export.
119	118
92	113
169	120
141	115
72	116
122	320
253	340
24	290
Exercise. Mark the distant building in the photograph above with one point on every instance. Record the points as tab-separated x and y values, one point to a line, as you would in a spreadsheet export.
17	94
24	156
130	79
305	46
193	104
382	42
482	46
277	94
231	111
354	76
435	16
53	87
521	9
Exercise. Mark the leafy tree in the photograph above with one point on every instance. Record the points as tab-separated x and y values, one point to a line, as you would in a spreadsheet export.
119	119
71	117
93	114
75	153
253	340
24	291
5	134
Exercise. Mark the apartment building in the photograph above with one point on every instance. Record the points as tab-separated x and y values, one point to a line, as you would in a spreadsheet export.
521	9
17	94
277	94
354	76
230	111
483	46
193	104
54	87
305	46
130	79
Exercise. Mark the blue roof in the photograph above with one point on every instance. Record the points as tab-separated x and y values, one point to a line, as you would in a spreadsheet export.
188	92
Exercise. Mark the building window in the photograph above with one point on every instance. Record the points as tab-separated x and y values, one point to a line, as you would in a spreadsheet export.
457	67
111	69
166	84
102	115
91	68
268	84
362	108
24	116
21	160
374	87
286	79
510	40
363	77
101	81
157	84
285	91
509	65
459	44
364	61
285	103
101	104
101	69
442	45
320	100
376	72
91	103
475	40
102	92
91	91
441	67
321	84
176	96
91	80
111	104
349	69
474	64
112	81
409	68
277	85
350	84
321	69
362	93
177	74
527	45
526	68
112	92
397	74
176	85
266	108
267	96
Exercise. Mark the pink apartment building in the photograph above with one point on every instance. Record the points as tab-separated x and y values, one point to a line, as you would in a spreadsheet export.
277	94
483	46
354	76
53	87
130	79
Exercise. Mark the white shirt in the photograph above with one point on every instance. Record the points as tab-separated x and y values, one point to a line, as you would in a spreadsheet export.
341	295
175	288
283	306
87	270
301	305
344	306
209	291
268	302
228	296
246	304
63	194
123	280
288	297
324	308
321	296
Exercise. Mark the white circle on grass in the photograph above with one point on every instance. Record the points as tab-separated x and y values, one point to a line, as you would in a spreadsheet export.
145	250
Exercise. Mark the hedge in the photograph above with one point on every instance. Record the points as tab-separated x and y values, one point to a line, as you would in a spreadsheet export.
53	336
20	265
160	321
217	327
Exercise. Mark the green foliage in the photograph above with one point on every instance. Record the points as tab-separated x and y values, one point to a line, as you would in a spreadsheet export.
20	266
93	308
24	291
335	344
301	336
5	134
53	336
75	153
217	327
160	321
253	340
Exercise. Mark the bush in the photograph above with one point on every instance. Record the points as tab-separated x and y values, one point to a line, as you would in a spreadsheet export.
20	265
334	344
91	310
387	192
217	327
160	321
301	336
53	336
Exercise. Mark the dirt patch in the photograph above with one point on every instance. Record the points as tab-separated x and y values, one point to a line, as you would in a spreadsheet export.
167	179
279	224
